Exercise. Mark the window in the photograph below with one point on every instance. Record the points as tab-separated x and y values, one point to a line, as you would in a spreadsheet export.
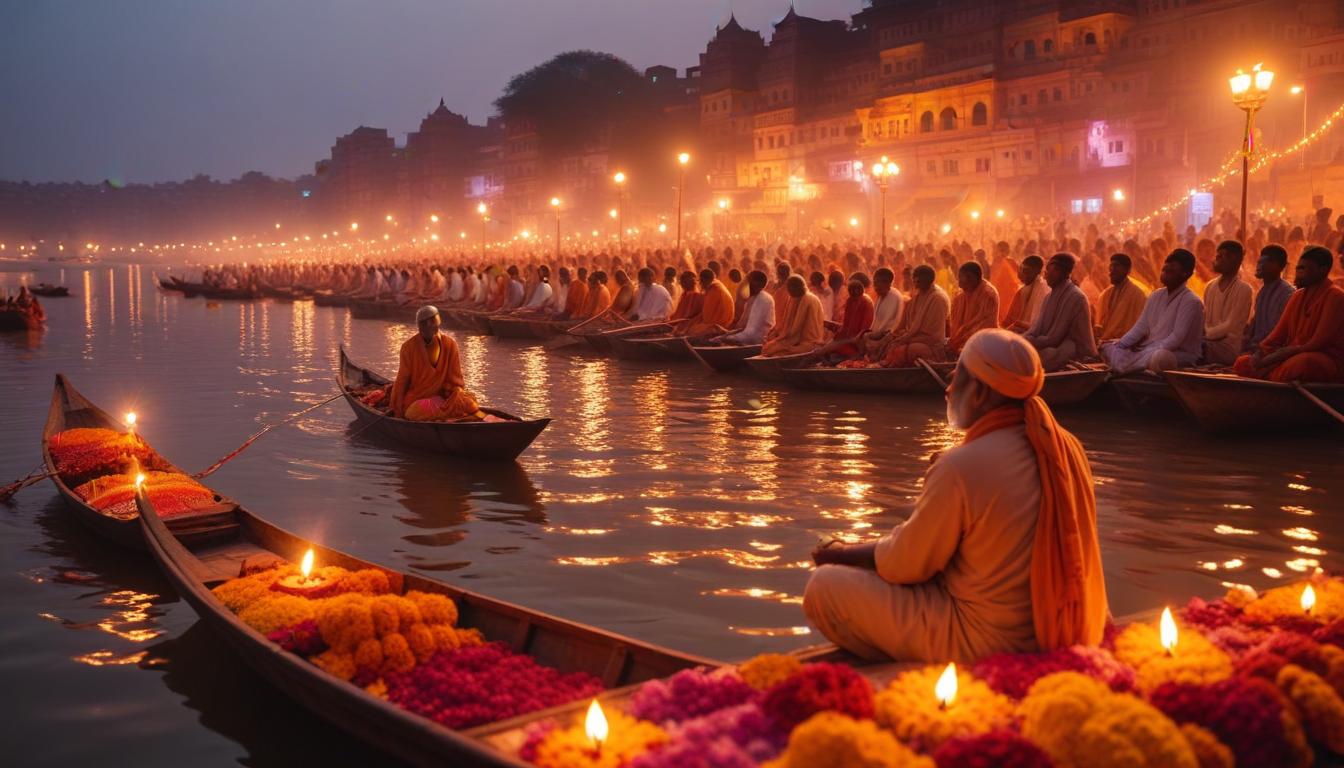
931	168
979	114
1029	50
1059	95
1026	154
891	127
982	165
1093	205
771	142
949	167
1022	100
1048	46
1090	39
1040	96
926	122
948	119
1076	206
886	68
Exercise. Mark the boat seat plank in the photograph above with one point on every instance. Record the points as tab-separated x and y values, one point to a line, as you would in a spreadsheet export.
222	562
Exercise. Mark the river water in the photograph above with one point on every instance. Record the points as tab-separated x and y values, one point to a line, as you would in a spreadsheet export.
667	503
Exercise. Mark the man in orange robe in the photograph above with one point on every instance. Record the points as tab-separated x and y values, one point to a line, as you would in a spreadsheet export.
716	311
690	301
577	296
1001	553
1121	303
1003	273
1307	344
599	298
975	308
804	325
429	384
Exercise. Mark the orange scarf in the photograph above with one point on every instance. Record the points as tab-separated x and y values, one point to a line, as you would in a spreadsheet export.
1068	588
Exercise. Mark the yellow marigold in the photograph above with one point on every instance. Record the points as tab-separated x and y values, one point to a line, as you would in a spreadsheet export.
277	611
1195	660
345	621
1334	659
839	741
367	581
377	688
1321	708
445	637
1081	723
239	593
407	612
1240	595
386	617
336	663
1286	601
769	669
627	739
421	641
369	655
908	708
397	655
1210	752
434	609
469	637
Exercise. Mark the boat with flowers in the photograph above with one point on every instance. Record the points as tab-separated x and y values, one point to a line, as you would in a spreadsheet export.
94	461
403	662
499	440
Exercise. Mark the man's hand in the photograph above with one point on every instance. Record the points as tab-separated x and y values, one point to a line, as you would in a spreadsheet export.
833	552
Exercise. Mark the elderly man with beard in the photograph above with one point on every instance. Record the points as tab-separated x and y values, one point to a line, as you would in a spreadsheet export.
1000	553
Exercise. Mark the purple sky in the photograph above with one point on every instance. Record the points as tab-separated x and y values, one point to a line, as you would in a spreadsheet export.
152	90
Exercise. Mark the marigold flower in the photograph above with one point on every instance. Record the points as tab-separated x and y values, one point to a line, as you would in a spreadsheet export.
434	609
336	663
909	709
627	738
817	688
277	611
769	669
1321	708
1246	714
397	655
1081	723
838	741
1195	660
421	641
1209	751
386	617
1286	603
1013	674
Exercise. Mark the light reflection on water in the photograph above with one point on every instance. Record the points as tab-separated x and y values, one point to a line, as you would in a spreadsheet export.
672	504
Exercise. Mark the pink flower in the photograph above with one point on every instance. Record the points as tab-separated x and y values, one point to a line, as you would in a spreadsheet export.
817	688
689	693
736	737
1012	674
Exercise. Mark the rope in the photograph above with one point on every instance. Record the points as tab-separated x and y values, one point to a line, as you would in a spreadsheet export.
211	469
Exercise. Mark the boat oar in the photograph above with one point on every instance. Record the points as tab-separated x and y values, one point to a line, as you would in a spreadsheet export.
36	475
1318	402
211	469
930	369
594	318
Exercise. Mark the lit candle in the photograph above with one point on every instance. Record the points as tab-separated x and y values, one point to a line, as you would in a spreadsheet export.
1167	631
595	726
304	583
1308	599
946	688
306	565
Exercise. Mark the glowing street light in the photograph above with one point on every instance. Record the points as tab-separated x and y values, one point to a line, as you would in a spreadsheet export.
1301	90
433	218
998	214
619	178
883	170
484	211
354	226
682	160
555	206
1249	92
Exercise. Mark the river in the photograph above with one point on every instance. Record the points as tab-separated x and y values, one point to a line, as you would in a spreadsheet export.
667	503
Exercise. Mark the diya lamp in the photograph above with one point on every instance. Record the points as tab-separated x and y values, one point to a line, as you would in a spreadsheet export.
595	727
945	690
1166	629
1308	600
304	583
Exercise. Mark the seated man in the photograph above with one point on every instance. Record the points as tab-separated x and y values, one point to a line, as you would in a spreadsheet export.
1272	296
1170	331
1027	301
652	301
975	308
1063	331
716	310
690	300
1227	306
858	319
1000	553
887	305
922	332
803	328
1308	342
429	384
758	314
1120	305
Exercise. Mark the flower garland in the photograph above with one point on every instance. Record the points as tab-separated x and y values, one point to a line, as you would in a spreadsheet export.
908	709
838	741
820	687
1194	660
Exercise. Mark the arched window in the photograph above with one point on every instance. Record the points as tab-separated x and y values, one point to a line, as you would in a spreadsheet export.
926	122
948	119
979	114
1048	46
1029	49
1090	38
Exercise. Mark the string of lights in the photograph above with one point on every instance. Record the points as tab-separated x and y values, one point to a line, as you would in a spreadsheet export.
1229	170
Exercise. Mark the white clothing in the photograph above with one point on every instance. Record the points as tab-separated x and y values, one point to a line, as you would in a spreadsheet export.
759	314
1169	333
887	311
1226	314
652	303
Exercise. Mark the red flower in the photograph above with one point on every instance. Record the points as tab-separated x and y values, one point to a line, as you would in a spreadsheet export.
1244	713
997	749
817	688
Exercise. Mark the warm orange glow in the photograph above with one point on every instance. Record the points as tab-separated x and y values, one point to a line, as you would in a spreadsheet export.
946	228
999	213
1297	90
354	226
130	420
662	227
481	208
595	724
619	178
306	565
975	215
555	202
139	480
945	690
1118	195
684	158
434	218
1308	600
612	213
1167	631
854	221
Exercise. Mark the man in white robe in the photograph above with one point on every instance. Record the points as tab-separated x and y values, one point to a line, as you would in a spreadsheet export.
1170	331
1227	306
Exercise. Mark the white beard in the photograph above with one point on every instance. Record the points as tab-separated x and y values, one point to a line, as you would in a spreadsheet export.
957	418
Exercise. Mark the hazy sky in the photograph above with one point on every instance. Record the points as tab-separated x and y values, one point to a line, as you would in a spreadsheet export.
152	90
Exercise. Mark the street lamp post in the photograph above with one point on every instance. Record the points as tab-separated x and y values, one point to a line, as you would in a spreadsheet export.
619	178
1249	92
484	210
682	160
1301	90
883	170
555	206
723	209
975	216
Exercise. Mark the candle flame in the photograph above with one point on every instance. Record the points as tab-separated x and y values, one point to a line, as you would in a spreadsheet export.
1308	599
1167	630
139	480
946	688
306	566
595	724
130	420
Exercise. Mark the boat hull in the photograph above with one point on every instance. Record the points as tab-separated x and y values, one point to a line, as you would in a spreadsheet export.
723	359
1223	403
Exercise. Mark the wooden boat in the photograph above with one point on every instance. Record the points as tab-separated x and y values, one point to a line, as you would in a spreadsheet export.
489	440
771	368
1145	393
601	340
43	289
475	321
726	358
229	294
889	381
373	309
330	299
69	409
649	347
549	329
510	326
30	319
1072	387
567	646
1231	403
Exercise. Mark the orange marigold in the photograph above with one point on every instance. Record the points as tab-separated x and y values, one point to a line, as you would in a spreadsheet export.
1286	602
434	609
369	656
1210	752
336	663
1321	708
839	741
1195	660
627	739
397	655
445	637
277	611
386	617
768	669
909	709
421	641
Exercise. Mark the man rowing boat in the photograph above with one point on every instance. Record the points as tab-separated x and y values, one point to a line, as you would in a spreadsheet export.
1001	552
429	384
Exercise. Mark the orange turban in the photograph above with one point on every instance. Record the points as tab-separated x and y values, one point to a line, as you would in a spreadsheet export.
1068	587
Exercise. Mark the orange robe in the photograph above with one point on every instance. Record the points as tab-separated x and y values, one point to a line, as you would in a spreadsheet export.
1003	274
688	306
599	298
716	312
576	298
971	312
1314	321
423	391
1118	309
804	328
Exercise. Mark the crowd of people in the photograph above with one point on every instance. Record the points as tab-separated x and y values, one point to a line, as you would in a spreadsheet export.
1194	298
